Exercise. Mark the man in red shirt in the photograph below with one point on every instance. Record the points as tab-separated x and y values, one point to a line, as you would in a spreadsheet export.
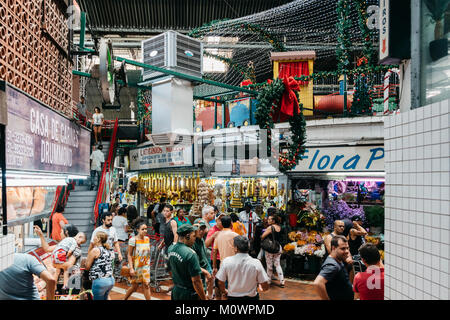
369	285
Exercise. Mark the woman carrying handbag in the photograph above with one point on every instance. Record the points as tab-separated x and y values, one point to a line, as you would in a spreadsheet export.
139	260
271	245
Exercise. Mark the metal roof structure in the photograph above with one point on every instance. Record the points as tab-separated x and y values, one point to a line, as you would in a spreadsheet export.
156	16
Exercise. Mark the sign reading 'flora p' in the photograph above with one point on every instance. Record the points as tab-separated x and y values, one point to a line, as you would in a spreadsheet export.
39	139
358	158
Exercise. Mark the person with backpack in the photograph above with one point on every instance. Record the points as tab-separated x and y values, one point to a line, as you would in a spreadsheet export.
273	258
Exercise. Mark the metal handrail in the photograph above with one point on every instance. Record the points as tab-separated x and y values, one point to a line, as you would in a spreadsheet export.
106	169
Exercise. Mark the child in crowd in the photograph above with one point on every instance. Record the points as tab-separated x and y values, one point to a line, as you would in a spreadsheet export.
63	251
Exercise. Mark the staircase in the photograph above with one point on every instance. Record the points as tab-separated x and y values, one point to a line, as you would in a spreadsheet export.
79	209
80	212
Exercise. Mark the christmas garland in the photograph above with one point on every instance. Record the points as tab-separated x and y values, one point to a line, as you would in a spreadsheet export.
269	98
247	73
343	26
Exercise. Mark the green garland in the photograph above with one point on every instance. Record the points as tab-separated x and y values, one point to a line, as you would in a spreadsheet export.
247	73
269	98
344	43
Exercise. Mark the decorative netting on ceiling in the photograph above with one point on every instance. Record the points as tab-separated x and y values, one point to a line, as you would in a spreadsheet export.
244	44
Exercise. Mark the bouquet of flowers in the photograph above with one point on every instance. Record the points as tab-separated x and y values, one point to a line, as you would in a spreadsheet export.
339	210
311	217
306	243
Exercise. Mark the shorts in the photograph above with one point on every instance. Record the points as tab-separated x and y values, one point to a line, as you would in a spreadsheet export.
97	125
59	256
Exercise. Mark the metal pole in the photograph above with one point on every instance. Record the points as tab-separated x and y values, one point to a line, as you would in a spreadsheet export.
345	111
83	29
3	167
185	76
215	115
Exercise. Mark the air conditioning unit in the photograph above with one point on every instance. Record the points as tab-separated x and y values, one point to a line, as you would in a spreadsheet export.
172	51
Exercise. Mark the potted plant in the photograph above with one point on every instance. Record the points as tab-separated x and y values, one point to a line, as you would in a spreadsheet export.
439	46
375	218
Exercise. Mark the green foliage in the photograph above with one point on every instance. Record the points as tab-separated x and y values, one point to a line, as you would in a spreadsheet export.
362	102
375	215
437	8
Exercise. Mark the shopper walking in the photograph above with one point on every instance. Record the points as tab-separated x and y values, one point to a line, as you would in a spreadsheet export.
17	283
157	216
339	227
58	222
243	273
81	109
111	232
200	250
180	219
356	236
223	244
273	259
139	260
99	264
132	214
238	226
169	228
208	216
369	285
97	160
98	120
185	267
249	218
209	244
333	282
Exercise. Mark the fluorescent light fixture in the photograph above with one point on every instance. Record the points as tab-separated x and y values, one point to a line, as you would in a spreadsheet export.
35	182
365	179
357	174
76	177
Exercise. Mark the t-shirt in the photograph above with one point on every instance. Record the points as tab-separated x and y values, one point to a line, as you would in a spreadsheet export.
97	158
97	118
184	264
225	243
210	233
56	227
111	232
67	244
239	228
120	223
183	221
370	284
200	249
243	274
16	282
244	217
338	284
81	108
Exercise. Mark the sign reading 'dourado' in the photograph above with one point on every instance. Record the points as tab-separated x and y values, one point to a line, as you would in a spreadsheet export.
357	158
39	139
160	157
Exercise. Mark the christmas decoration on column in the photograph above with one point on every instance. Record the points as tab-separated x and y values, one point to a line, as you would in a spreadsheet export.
362	101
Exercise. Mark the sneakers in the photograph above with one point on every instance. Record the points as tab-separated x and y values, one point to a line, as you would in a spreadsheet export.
282	284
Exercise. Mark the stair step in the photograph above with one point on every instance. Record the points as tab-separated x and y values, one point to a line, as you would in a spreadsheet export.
81	188
78	216
80	204
85	199
87	223
83	193
78	210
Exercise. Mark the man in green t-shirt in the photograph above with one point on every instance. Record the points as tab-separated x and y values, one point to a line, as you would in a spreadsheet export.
200	248
185	267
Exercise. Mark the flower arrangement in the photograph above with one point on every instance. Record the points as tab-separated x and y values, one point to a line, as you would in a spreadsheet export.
339	210
306	243
311	217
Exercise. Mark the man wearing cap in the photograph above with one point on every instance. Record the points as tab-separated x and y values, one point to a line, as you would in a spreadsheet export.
249	218
200	249
185	267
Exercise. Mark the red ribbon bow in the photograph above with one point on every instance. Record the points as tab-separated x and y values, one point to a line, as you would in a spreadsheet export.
289	100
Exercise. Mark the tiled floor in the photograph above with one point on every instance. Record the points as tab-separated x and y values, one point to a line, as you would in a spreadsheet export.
293	290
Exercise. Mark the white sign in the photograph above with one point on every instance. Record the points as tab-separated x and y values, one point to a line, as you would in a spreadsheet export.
384	29
156	157
326	159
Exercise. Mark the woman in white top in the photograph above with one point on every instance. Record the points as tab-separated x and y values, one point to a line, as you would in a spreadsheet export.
98	122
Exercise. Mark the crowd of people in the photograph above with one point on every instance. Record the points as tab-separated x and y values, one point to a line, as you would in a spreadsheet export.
218	256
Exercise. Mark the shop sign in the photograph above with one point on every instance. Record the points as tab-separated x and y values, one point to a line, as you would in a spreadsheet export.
155	157
39	139
384	29
341	159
